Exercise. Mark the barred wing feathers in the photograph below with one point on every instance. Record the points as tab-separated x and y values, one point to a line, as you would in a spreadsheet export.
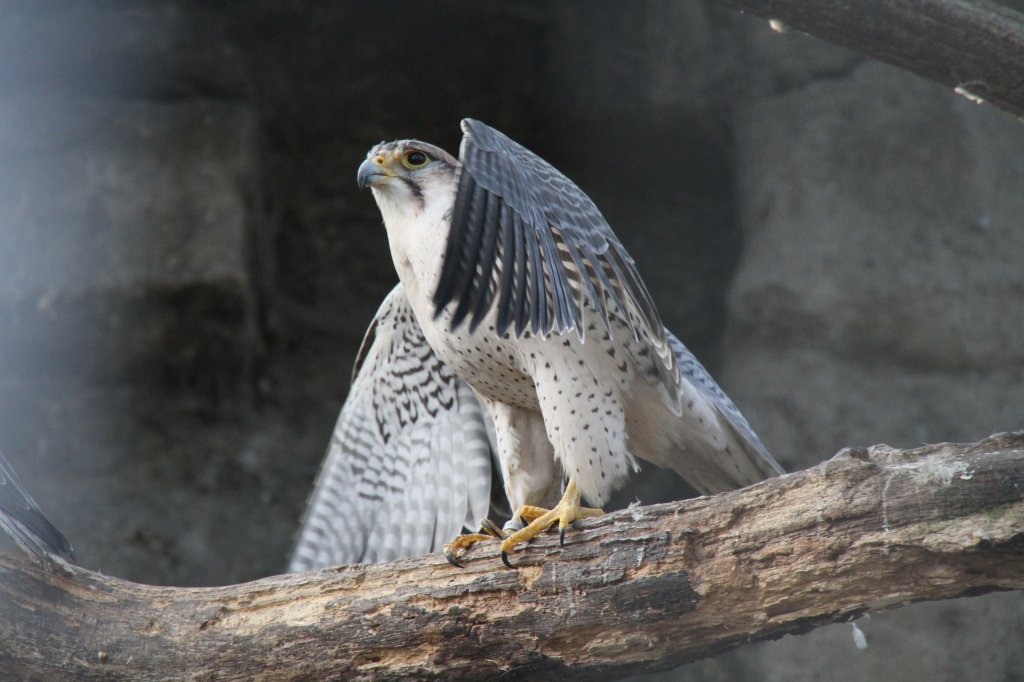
526	240
409	462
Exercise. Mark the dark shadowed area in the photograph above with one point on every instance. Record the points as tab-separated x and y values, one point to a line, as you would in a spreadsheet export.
187	266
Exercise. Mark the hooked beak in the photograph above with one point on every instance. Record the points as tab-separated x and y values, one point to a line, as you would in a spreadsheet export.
371	172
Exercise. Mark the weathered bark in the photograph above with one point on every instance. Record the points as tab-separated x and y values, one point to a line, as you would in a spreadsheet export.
975	47
868	530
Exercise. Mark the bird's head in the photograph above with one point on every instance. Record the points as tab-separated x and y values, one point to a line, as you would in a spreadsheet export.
407	174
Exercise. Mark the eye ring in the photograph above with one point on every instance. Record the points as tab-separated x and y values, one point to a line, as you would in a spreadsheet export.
414	159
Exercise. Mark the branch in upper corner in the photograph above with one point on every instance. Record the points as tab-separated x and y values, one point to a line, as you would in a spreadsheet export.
645	588
976	48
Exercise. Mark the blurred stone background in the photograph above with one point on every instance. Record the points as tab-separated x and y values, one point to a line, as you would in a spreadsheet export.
186	266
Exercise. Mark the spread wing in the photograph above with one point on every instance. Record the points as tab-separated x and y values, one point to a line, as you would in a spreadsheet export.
525	238
409	462
21	518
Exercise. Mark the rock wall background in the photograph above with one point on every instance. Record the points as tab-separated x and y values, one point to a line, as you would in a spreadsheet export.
186	266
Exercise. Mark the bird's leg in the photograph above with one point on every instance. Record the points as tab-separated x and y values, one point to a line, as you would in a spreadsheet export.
565	512
528	513
459	545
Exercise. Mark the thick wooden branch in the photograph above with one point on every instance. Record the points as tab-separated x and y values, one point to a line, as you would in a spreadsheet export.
868	530
975	47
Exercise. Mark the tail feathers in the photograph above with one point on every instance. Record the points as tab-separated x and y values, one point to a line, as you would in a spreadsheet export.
748	456
724	452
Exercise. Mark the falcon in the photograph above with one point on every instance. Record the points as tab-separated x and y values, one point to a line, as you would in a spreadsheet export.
520	337
21	518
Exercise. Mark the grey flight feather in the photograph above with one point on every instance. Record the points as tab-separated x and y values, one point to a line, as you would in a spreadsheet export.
409	462
22	519
509	196
523	233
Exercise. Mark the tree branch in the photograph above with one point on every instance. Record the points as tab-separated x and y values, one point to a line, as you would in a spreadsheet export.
975	47
650	587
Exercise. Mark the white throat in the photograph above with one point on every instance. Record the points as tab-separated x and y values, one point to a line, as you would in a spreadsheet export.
417	234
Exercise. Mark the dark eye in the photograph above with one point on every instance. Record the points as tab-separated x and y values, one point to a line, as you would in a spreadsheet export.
415	159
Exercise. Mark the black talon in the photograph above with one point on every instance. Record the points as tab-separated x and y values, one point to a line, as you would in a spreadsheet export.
452	560
504	559
561	536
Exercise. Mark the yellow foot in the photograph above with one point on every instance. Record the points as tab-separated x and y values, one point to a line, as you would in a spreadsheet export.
458	546
565	512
